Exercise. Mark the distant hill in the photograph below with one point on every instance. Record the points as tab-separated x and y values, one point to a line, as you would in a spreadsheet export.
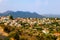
52	15
22	14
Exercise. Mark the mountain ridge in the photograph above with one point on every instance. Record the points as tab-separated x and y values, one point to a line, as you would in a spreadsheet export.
22	14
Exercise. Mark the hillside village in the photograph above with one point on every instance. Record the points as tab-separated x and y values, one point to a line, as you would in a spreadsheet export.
29	28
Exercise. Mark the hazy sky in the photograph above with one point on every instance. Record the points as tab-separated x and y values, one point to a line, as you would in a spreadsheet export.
39	6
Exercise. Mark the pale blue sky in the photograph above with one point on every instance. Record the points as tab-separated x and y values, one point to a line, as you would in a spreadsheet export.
39	6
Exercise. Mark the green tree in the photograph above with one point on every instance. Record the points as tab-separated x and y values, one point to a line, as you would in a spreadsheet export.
10	17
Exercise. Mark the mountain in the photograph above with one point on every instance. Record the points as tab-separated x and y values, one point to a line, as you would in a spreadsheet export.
22	14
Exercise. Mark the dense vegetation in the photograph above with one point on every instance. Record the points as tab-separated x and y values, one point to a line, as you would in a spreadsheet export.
49	29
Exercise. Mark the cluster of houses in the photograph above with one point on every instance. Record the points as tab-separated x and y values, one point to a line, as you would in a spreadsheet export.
29	21
16	22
